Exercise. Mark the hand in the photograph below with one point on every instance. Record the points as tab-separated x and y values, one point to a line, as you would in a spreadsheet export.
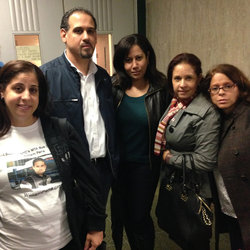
93	240
166	156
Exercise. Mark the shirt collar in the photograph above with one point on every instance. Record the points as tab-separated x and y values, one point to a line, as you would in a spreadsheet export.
92	66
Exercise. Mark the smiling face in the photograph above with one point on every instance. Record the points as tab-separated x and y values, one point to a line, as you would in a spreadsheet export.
136	63
21	97
185	81
225	100
80	38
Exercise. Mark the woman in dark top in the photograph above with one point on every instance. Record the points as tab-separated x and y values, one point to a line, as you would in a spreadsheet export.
141	97
229	90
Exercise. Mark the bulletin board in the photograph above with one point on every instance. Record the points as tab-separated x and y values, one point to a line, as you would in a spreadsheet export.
28	48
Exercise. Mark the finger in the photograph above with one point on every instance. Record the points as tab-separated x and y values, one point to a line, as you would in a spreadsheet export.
87	245
92	248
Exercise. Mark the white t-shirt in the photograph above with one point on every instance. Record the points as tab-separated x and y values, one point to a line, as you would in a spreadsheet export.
30	218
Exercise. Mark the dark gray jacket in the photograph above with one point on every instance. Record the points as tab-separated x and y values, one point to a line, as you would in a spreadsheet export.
234	164
195	130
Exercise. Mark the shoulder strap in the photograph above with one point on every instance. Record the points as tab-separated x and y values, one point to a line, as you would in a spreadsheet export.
62	124
193	175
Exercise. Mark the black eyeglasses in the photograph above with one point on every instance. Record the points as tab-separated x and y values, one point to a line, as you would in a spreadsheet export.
215	90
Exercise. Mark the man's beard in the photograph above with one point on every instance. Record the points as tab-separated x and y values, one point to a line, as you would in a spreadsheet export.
86	56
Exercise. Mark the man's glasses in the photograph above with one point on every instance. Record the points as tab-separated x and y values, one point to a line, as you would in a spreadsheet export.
215	90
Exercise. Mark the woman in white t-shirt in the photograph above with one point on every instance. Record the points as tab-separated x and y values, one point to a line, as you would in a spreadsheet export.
63	213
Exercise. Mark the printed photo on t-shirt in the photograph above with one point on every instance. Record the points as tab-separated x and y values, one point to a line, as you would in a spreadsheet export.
32	173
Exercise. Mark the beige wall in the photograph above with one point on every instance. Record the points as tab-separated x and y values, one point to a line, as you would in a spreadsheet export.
217	31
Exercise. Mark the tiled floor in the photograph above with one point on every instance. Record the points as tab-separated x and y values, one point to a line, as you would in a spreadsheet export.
162	242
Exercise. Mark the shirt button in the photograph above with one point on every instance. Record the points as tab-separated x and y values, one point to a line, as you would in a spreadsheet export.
244	178
236	152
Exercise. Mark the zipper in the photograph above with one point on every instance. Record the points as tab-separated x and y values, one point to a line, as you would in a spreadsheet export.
149	132
149	125
110	159
119	103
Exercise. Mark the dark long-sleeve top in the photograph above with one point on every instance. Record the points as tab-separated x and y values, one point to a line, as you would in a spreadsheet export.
82	188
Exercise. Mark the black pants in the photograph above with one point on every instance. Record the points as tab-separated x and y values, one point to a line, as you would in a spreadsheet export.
131	203
70	246
106	178
117	225
233	228
204	245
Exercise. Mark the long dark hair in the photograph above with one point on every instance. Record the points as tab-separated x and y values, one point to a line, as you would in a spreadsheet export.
188	58
7	73
235	75
122	51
